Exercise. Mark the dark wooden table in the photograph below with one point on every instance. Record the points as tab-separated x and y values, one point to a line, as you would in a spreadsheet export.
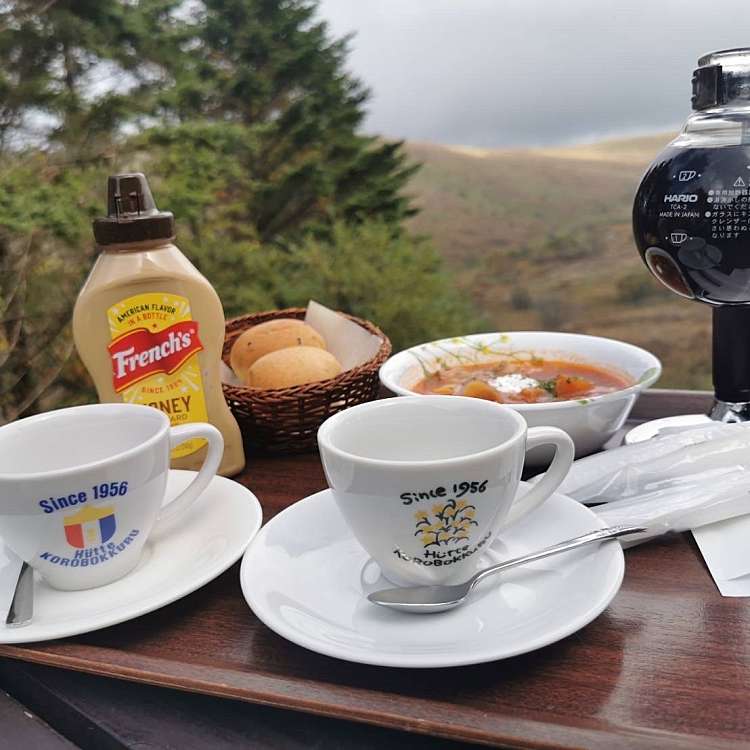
666	666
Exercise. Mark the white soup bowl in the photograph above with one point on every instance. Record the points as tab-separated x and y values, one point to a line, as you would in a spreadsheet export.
590	422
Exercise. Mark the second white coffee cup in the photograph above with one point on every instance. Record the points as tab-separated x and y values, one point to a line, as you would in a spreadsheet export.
426	483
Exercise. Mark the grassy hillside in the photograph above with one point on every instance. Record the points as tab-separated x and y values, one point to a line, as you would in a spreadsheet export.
541	238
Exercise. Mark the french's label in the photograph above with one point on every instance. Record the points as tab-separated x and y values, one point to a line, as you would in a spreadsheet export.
154	355
138	354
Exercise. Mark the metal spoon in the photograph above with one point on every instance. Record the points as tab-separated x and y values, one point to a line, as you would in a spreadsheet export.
21	609
426	599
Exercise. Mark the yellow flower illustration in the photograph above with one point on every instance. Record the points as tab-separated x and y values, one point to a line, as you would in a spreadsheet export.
449	523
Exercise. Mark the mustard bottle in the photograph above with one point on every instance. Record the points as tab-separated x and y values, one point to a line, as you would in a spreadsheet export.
148	325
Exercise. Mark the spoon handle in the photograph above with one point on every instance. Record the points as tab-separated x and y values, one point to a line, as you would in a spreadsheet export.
599	535
21	609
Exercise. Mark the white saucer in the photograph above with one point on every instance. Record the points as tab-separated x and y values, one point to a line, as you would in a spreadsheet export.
176	561
305	576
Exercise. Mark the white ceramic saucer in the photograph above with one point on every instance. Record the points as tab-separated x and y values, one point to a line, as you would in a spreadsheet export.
176	561
305	576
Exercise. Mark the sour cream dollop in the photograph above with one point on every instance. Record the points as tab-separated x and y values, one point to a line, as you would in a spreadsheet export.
512	384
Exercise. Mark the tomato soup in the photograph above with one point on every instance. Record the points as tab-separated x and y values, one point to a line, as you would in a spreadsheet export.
529	381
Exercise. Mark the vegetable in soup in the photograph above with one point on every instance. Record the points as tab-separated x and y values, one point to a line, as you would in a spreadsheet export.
531	381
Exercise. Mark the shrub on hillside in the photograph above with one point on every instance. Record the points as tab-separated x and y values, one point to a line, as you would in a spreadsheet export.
520	299
554	312
636	287
557	246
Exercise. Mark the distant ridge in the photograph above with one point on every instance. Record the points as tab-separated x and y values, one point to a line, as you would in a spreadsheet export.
640	150
621	150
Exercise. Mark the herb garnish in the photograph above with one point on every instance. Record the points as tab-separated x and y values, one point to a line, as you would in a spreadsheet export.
549	386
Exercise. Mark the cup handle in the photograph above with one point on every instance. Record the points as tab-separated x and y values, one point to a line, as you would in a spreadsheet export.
207	471
553	477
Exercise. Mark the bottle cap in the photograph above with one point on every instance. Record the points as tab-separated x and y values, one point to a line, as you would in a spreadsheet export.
132	215
722	78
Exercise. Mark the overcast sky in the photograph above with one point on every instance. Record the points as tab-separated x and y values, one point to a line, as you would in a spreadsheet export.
531	72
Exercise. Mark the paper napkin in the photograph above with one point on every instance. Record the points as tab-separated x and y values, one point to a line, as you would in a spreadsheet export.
725	547
694	479
351	344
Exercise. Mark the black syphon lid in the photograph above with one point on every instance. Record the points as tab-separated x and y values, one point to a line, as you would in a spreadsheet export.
722	77
132	215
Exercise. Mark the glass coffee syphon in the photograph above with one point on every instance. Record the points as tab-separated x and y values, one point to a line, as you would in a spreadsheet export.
691	219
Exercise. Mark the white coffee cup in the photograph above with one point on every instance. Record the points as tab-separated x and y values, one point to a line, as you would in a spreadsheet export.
426	483
81	488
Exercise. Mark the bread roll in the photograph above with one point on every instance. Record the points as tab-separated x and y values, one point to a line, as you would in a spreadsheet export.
268	337
295	365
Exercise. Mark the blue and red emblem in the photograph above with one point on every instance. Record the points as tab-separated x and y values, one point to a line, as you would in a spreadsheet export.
90	526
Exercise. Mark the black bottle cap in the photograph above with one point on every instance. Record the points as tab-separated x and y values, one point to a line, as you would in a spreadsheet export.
132	215
722	77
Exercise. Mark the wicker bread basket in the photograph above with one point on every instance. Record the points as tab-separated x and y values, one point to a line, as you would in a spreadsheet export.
286	420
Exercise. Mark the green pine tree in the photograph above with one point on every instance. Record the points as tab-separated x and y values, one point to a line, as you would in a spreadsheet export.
271	70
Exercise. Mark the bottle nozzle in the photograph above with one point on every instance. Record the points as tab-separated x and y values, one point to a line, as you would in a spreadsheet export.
129	195
132	215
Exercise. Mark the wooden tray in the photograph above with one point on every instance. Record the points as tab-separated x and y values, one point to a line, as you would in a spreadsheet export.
664	666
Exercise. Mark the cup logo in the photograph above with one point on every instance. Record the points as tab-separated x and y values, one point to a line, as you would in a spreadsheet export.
448	530
449	523
91	533
90	526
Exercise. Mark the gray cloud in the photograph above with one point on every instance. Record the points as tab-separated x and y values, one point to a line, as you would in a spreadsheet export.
531	72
